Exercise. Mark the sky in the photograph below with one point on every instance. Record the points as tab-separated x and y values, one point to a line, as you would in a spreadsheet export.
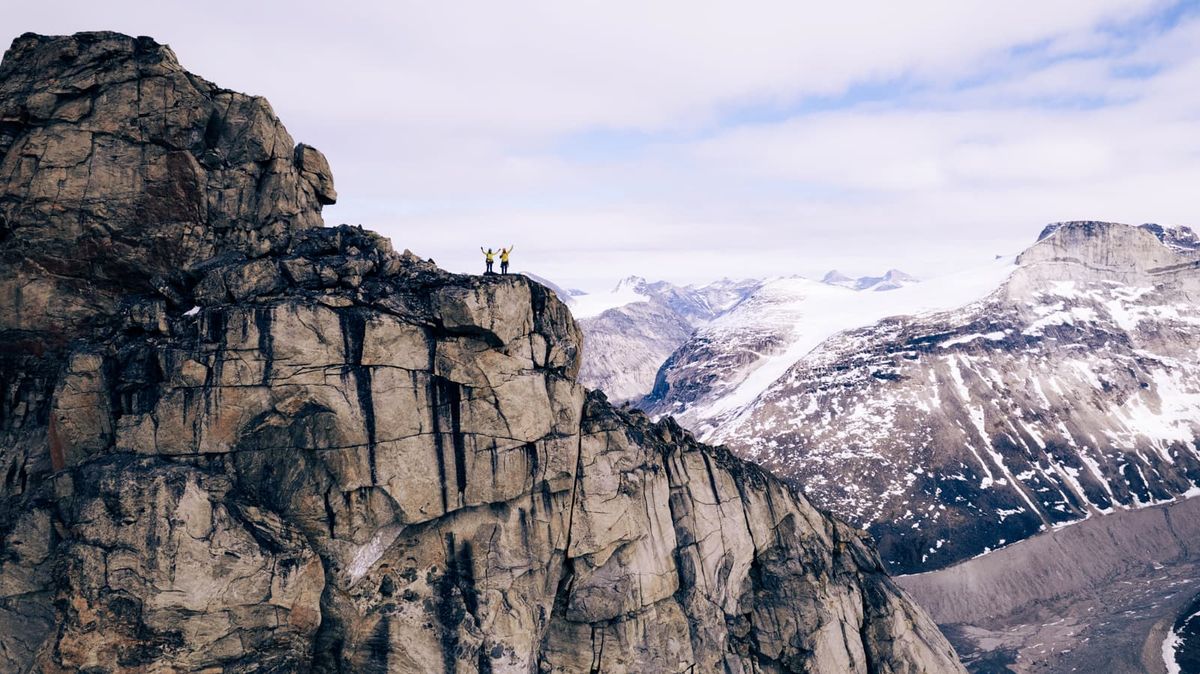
690	141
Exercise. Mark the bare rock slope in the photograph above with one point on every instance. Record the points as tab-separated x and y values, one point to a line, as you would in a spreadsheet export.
232	440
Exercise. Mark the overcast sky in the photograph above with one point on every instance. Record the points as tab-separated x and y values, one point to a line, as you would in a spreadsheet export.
694	140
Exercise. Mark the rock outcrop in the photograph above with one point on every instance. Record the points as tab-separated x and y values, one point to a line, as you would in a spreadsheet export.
256	444
120	170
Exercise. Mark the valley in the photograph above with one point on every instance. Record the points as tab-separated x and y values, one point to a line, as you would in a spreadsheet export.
1098	596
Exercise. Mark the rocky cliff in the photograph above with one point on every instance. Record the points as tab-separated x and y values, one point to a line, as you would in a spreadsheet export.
232	440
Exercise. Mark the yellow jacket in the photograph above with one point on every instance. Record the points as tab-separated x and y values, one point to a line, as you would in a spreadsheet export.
488	255
504	255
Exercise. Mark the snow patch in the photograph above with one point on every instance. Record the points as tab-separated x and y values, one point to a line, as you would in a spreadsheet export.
1170	649
809	312
370	552
585	306
993	336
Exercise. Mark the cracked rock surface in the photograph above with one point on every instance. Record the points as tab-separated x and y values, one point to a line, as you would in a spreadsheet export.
248	443
119	169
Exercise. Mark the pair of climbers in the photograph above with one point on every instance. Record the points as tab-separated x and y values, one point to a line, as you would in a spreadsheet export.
489	256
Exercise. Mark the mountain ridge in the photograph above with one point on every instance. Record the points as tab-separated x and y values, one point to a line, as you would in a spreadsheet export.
1060	395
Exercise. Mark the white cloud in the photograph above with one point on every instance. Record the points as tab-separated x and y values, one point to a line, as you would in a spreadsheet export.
445	122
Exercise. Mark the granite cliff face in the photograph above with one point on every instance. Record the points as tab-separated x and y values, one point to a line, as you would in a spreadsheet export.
232	440
122	171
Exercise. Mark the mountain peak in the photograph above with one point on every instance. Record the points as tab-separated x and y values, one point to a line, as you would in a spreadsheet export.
1113	245
632	281
891	279
897	275
1179	237
170	162
835	277
1084	225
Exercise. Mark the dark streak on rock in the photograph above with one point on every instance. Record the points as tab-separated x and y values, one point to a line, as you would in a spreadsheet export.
457	598
353	325
380	645
439	449
531	458
448	394
266	342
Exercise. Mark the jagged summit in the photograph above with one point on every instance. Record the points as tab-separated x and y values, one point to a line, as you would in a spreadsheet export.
632	282
253	443
1071	224
897	275
835	277
122	170
890	280
1179	237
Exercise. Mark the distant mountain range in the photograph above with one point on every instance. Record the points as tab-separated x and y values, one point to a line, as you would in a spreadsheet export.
631	330
891	280
971	411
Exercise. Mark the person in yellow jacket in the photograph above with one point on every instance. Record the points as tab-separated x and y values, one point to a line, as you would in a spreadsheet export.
489	256
504	252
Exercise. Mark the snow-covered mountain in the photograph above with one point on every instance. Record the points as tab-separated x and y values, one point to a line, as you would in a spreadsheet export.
1066	387
725	365
630	331
891	280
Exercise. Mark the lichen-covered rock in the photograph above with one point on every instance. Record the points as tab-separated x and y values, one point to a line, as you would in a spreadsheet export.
327	456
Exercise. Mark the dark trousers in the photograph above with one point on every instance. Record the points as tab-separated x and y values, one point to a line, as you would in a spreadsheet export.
489	266
503	266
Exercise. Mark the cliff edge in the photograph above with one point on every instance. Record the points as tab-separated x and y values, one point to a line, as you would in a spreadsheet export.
233	440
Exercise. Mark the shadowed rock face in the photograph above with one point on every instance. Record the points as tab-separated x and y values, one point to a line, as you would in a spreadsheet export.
119	170
344	459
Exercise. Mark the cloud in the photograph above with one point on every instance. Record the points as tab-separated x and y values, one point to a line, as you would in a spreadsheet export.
691	140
